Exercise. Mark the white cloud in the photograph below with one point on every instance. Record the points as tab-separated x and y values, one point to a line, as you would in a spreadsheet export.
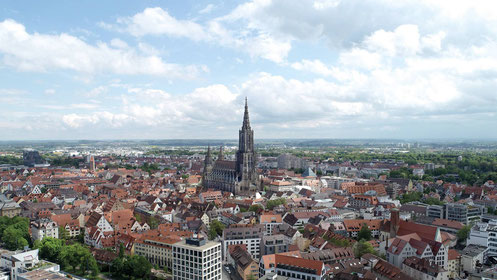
41	52
108	118
50	91
156	21
207	9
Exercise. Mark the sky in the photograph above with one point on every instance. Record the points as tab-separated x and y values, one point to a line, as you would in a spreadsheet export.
310	69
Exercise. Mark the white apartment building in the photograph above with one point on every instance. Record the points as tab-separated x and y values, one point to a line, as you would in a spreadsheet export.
251	236
484	234
44	228
196	259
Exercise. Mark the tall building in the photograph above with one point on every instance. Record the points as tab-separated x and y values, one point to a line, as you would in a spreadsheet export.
250	235
239	176
196	258
31	158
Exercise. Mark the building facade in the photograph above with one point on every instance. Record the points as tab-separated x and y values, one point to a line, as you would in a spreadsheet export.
196	259
250	235
44	228
239	176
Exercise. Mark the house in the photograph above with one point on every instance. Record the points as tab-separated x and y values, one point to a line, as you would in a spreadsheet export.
246	267
472	258
98	220
270	221
68	223
156	249
454	263
386	271
299	268
267	262
354	226
419	268
44	228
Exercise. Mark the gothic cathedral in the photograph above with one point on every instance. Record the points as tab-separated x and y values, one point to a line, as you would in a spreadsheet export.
240	176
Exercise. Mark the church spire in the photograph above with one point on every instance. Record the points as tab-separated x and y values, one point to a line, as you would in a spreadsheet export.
221	153
246	121
208	158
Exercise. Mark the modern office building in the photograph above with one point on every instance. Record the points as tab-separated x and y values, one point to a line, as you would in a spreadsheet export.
196	259
249	235
463	213
484	235
435	211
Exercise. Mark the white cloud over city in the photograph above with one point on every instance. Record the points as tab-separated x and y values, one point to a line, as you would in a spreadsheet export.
400	69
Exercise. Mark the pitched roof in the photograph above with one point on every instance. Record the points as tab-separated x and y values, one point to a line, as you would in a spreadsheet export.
313	265
93	219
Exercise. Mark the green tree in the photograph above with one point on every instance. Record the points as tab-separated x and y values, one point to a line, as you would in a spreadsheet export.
215	229
121	250
78	259
255	208
13	238
153	222
137	267
275	202
50	248
364	233
363	247
463	233
131	267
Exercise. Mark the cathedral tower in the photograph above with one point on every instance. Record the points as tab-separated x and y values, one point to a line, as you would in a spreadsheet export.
246	158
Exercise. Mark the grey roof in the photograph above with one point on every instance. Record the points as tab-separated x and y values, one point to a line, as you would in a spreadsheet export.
309	173
473	250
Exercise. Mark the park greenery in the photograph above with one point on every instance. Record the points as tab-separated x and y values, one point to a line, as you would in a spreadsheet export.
10	160
74	258
150	167
14	232
64	161
130	267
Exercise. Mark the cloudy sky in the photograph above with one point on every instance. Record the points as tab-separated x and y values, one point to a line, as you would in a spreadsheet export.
310	69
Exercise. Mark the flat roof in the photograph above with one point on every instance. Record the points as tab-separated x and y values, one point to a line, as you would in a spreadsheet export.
208	245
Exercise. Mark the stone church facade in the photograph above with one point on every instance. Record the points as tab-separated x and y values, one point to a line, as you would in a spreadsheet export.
239	176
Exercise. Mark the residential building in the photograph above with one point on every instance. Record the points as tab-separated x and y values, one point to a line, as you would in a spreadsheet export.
299	268
196	259
250	235
274	244
419	268
8	207
485	235
270	221
472	257
246	267
354	226
156	249
454	264
44	228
